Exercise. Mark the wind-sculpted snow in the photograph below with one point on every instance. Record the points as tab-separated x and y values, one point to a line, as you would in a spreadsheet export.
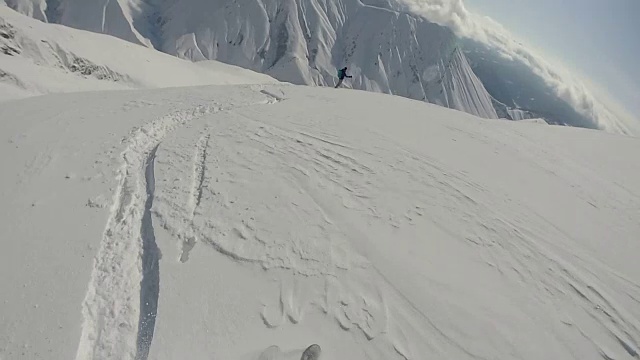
315	187
377	227
257	174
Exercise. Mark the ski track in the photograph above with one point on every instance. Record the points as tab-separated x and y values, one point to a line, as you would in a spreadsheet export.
112	310
329	175
150	284
121	303
240	232
122	300
199	171
195	197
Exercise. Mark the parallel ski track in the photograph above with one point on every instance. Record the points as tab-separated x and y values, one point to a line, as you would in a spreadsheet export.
121	303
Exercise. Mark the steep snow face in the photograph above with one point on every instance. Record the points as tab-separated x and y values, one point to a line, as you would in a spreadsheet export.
301	42
463	90
33	8
110	17
38	58
304	43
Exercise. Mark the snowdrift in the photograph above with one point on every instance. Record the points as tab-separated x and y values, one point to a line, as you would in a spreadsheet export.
38	58
214	222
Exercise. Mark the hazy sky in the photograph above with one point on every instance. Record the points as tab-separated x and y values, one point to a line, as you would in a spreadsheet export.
600	40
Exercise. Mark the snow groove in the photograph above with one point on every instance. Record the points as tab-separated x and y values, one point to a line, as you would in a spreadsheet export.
199	167
150	284
120	306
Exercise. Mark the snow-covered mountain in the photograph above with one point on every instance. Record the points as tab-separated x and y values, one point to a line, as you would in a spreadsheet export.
202	222
302	42
388	44
38	58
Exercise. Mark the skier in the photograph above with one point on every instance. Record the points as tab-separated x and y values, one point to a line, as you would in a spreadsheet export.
342	73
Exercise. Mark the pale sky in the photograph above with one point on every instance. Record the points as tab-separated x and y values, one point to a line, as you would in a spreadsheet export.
600	40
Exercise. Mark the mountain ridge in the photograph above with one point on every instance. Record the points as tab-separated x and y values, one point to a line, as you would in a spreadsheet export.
297	42
390	46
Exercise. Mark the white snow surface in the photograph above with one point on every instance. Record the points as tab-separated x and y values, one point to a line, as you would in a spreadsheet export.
299	42
38	58
213	222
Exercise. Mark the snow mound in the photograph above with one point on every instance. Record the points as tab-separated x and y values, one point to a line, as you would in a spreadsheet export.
39	58
215	222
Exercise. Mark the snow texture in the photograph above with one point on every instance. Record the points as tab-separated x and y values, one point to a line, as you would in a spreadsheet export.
248	221
243	216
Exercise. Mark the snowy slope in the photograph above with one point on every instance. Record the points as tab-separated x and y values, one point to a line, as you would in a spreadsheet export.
213	222
38	58
302	42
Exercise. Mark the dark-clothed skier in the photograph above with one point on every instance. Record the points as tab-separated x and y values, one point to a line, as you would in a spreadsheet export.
342	73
